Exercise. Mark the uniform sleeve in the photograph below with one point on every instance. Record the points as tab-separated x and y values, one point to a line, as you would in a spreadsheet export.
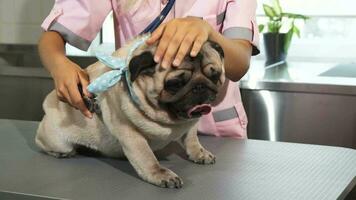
78	21
240	22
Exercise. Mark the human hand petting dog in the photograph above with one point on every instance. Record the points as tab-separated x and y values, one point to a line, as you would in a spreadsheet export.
179	37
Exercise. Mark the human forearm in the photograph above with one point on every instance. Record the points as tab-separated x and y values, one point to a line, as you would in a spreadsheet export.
237	55
66	74
51	48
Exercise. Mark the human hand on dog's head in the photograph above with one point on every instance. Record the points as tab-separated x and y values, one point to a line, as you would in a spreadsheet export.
178	38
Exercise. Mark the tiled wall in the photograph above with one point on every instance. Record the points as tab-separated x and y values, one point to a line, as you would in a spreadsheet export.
20	20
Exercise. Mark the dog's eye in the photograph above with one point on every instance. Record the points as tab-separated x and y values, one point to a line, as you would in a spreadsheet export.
214	75
212	72
173	85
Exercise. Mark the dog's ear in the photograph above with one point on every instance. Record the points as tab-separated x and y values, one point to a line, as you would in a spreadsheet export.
142	63
218	48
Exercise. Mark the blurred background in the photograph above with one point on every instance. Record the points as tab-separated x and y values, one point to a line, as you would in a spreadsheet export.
309	96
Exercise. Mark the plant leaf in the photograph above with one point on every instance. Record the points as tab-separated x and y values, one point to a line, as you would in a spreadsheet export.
295	16
296	30
269	11
274	26
277	7
270	27
261	27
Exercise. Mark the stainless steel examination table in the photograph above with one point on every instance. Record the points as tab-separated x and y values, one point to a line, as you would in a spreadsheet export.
245	169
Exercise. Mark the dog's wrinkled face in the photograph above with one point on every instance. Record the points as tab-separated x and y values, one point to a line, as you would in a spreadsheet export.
185	91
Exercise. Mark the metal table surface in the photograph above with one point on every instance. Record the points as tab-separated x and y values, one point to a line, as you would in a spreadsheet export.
298	76
245	169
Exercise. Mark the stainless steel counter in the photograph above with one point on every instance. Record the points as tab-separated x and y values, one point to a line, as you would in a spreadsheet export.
313	77
22	92
306	102
27	56
24	82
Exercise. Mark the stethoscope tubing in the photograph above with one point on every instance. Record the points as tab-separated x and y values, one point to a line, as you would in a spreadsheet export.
159	19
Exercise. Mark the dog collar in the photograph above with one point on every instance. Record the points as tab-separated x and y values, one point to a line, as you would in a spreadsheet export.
120	68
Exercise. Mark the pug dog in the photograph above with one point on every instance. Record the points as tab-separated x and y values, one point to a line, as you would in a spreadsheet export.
171	102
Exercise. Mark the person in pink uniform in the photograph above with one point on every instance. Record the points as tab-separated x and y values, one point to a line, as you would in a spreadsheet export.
230	23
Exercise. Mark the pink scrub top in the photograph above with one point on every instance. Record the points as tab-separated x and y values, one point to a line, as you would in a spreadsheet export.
79	21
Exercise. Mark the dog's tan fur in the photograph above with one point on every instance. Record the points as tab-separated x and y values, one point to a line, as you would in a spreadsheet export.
125	129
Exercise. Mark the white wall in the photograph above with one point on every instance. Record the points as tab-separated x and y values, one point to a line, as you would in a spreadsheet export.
20	20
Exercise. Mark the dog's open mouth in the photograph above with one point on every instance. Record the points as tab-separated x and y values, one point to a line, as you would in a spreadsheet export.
190	104
190	113
190	108
199	110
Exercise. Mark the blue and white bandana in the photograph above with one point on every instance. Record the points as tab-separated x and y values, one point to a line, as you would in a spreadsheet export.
119	66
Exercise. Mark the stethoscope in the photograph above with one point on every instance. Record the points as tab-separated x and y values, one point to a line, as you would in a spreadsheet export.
159	19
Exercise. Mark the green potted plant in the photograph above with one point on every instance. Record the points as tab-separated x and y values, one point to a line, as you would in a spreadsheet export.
277	43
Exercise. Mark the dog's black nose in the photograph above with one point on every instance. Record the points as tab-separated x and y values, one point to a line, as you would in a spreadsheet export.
199	88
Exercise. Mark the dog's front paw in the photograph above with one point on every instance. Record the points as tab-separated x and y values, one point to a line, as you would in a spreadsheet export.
202	156
164	177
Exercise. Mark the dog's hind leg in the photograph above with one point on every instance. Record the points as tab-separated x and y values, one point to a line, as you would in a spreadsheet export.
51	141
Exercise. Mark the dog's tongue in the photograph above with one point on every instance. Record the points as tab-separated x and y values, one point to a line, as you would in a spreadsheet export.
199	109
